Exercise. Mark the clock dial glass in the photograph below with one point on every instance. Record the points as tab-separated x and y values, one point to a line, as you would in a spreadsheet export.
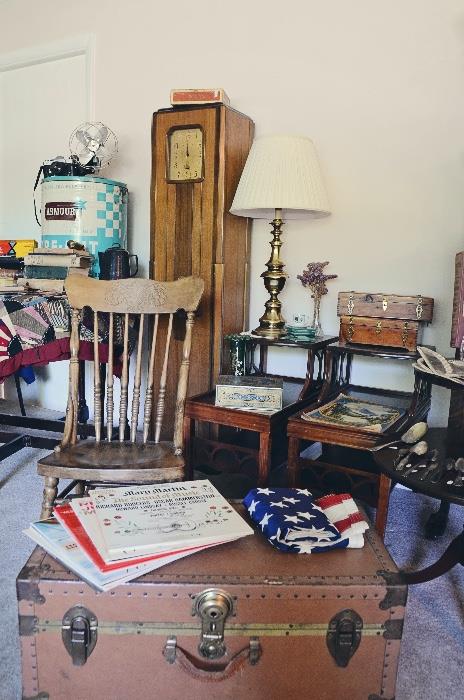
185	154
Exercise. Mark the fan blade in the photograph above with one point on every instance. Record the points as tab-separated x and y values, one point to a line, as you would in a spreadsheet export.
85	156
102	134
83	137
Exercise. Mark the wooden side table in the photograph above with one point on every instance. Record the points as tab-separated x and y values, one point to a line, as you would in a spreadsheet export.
345	450
239	449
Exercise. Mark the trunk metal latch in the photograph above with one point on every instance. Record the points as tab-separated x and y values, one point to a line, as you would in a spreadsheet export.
212	606
344	636
79	633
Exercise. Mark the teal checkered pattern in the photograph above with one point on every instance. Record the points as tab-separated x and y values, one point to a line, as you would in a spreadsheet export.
110	213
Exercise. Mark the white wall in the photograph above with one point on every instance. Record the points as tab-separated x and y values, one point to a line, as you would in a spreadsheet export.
376	85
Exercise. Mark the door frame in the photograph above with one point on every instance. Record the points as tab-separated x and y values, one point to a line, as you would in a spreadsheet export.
81	45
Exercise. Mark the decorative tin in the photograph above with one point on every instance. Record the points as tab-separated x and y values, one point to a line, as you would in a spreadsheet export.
90	210
249	393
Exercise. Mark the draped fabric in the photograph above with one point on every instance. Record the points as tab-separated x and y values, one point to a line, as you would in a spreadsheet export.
35	330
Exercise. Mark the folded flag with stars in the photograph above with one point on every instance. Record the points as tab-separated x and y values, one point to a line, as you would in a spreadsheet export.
293	522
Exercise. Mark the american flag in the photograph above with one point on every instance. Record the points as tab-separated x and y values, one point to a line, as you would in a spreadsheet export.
293	521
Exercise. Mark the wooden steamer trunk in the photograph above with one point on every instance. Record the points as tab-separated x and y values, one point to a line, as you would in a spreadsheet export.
237	621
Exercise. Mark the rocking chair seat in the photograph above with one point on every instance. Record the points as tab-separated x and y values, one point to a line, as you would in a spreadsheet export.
116	461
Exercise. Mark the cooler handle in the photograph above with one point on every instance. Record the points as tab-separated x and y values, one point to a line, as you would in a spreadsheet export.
201	670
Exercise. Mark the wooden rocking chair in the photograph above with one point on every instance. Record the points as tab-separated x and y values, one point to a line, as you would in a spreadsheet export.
124	459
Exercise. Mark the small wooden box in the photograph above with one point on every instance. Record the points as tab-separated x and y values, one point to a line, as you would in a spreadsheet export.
378	305
393	333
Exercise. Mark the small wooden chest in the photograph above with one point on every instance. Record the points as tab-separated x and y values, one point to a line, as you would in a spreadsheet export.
241	620
378	305
380	331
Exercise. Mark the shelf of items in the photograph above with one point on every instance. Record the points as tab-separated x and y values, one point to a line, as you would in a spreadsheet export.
249	442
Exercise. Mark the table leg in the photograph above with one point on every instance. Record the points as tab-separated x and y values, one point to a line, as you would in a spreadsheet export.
437	521
381	514
309	375
264	460
454	554
188	431
293	462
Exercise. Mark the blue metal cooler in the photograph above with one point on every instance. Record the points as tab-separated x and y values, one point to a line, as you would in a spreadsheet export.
91	210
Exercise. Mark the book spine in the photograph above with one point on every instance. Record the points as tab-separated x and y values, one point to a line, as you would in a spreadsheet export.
45	285
204	96
46	272
57	260
457	319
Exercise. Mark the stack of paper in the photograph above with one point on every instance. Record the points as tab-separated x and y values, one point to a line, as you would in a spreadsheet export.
116	534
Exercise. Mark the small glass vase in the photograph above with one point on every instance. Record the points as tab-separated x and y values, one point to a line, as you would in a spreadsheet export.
316	323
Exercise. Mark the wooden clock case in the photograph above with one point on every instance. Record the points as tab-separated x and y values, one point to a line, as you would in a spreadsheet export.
193	233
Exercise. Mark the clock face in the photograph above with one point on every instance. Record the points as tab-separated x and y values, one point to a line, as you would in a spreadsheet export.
185	154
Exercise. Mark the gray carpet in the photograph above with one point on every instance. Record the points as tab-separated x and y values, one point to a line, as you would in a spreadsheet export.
432	657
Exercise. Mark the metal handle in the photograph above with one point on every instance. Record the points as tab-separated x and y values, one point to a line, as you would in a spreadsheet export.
199	668
79	633
132	274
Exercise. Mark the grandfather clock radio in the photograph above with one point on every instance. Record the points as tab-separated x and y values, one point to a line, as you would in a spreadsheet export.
198	154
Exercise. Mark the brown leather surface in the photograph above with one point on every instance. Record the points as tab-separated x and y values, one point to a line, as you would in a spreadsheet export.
269	588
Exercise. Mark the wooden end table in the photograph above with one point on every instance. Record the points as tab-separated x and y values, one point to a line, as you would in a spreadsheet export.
345	451
298	393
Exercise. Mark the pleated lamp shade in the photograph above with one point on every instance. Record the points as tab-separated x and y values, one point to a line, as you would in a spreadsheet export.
281	172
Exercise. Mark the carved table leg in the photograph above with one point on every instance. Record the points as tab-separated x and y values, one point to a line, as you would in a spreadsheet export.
265	445
454	554
49	494
437	522
293	463
382	505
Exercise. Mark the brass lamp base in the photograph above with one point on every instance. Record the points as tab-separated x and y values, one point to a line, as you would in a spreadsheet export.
272	323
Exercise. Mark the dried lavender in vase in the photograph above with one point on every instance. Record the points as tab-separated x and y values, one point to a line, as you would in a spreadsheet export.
314	278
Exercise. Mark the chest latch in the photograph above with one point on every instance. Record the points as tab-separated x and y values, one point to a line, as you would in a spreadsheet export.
212	606
79	633
344	636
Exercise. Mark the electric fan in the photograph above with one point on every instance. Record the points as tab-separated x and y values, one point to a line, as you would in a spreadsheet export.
93	144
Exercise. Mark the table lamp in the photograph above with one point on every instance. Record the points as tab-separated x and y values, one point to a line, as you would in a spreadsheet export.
281	180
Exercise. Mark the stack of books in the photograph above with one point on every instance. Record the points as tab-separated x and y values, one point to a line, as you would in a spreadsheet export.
114	535
47	268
